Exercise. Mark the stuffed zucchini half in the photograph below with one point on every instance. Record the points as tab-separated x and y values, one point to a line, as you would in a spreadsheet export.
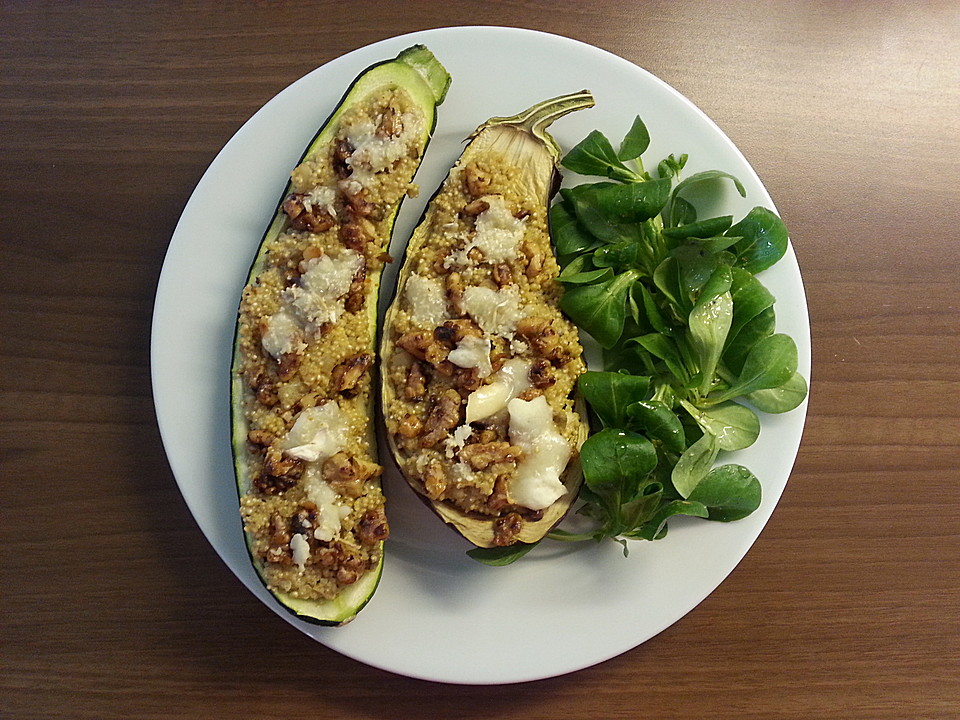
479	367
302	399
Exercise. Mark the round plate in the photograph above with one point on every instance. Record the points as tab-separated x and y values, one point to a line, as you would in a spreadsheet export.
437	614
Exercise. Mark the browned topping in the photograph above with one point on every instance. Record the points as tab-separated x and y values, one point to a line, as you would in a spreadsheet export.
482	455
415	387
476	181
347	373
529	394
373	527
444	416
475	207
506	529
314	220
411	426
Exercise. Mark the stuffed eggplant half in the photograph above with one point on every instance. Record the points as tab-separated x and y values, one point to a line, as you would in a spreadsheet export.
302	395
479	367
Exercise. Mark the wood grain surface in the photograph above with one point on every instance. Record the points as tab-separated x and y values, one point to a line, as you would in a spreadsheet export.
115	606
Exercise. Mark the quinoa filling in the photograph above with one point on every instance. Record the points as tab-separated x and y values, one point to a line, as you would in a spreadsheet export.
314	512
481	359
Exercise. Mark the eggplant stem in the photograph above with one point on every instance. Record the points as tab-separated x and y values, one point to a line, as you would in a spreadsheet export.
536	119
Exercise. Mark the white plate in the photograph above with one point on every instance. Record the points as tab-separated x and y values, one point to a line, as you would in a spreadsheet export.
439	615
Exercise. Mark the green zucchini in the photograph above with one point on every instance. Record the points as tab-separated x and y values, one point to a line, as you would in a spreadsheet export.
479	366
302	399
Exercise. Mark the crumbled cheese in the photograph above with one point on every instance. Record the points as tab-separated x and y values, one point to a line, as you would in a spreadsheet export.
318	433
498	232
497	235
495	311
426	300
457	440
373	153
329	512
321	197
473	352
300	548
546	452
518	347
282	334
318	298
462	474
509	382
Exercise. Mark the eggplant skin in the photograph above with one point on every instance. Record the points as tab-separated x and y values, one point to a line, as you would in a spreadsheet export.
478	364
302	373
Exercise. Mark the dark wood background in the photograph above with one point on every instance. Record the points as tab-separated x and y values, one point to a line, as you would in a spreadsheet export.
114	605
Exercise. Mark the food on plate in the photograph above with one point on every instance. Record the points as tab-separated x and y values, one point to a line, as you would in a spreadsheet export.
479	366
304	442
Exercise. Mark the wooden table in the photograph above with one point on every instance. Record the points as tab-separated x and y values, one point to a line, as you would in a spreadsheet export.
114	604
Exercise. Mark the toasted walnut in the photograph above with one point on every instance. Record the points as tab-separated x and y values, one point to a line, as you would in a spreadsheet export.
347	373
453	331
480	456
287	366
260	438
502	274
435	479
356	294
314	220
410	426
541	374
389	125
455	288
373	528
477	182
423	346
342	150
475	207
278	473
443	417
539	332
415	388
506	529
347	474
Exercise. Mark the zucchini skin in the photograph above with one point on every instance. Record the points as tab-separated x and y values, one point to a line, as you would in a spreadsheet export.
424	79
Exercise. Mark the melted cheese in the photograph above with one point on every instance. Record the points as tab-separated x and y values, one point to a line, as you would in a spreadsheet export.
546	452
495	311
509	382
329	512
318	433
473	352
282	334
318	298
498	232
426	300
